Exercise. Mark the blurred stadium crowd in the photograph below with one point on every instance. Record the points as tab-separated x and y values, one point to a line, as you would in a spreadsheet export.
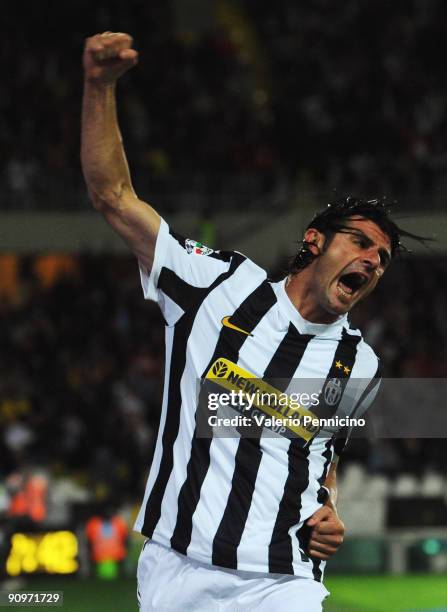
82	363
81	376
269	94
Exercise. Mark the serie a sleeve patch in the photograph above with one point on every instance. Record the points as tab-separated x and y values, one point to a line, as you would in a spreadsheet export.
197	248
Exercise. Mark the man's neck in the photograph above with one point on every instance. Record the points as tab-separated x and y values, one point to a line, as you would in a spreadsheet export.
298	288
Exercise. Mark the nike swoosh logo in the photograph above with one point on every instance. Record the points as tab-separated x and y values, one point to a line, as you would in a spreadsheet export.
226	323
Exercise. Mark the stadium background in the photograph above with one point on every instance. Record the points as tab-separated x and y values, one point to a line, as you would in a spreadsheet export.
240	120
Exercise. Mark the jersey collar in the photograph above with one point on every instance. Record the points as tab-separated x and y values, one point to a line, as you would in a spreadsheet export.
304	326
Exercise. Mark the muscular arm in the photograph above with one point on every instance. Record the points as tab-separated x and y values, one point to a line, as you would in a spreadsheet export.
104	164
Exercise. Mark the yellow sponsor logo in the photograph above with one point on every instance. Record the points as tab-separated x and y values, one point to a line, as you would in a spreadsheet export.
219	368
226	323
266	398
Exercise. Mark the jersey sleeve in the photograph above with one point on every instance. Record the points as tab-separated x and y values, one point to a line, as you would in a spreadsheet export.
362	406
183	269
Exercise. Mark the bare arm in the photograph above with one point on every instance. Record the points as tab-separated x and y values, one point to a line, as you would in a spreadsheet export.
327	528
106	57
331	484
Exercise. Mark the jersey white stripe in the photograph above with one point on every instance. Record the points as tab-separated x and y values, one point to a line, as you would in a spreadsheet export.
272	475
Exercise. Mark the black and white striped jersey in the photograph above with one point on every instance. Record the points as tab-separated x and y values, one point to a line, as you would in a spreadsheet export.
240	502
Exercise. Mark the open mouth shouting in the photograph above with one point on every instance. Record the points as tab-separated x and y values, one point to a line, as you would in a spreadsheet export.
349	284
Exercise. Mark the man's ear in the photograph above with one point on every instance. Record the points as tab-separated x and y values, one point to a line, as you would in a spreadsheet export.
315	240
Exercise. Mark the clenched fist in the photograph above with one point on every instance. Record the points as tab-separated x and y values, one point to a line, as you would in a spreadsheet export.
108	56
327	533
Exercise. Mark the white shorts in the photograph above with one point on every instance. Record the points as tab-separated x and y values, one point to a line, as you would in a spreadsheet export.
168	580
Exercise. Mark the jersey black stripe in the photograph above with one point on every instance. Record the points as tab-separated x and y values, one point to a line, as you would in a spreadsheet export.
287	358
247	316
178	360
289	512
279	371
182	293
316	564
229	533
340	370
327	454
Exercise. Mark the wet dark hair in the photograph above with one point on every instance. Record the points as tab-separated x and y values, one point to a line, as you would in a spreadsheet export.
330	221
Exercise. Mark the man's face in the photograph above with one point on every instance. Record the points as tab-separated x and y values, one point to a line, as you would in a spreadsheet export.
350	266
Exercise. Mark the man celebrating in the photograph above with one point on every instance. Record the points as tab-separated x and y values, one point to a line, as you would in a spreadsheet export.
239	523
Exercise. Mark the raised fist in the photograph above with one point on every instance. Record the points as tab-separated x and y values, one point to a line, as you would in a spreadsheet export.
108	56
